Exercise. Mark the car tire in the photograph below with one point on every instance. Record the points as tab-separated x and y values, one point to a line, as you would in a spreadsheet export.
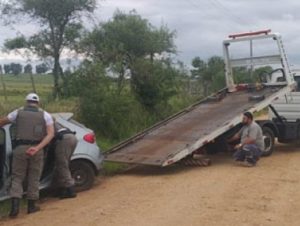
83	174
269	139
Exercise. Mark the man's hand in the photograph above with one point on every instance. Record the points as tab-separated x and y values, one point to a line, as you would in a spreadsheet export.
32	151
238	146
4	121
233	138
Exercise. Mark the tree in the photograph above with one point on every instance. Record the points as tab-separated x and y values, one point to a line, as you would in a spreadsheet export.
16	68
261	74
3	83
125	38
200	68
7	68
200	72
210	73
41	68
154	83
28	69
216	70
60	27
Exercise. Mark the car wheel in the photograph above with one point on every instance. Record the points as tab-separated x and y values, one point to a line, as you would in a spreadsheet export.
269	140
83	174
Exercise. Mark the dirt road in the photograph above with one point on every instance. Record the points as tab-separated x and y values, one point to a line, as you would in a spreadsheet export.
221	195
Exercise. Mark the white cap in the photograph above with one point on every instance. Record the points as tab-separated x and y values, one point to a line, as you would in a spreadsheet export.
32	97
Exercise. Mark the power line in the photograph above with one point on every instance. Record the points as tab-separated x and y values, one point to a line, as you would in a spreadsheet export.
229	12
202	11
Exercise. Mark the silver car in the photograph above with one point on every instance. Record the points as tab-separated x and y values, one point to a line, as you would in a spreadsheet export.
86	162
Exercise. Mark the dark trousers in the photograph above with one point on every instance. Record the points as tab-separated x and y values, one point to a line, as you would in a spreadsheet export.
249	152
63	152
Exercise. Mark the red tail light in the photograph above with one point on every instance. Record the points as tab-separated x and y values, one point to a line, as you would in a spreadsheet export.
90	138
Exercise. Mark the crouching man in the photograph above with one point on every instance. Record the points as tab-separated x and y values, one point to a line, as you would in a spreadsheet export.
65	143
248	151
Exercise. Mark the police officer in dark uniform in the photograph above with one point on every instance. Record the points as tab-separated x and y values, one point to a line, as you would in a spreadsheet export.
34	130
64	144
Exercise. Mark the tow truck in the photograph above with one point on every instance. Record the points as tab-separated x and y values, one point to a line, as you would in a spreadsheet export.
207	122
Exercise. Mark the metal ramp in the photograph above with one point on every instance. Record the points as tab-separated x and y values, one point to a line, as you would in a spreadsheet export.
168	141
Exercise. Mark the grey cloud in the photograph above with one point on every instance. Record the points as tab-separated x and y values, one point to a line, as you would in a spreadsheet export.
201	25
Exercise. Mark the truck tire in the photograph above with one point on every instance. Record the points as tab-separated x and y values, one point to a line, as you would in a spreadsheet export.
269	140
83	174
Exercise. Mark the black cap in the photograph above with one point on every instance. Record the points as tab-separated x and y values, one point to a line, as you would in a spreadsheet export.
248	115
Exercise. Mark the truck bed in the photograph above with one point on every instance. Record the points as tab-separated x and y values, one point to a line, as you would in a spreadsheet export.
156	145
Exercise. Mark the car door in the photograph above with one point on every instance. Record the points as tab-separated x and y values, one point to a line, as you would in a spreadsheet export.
2	157
5	161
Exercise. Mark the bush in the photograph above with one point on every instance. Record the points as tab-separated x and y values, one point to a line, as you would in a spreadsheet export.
153	84
150	96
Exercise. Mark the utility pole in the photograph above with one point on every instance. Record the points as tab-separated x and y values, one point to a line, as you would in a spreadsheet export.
251	57
3	83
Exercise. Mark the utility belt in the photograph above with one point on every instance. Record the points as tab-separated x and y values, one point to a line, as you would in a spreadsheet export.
27	142
60	134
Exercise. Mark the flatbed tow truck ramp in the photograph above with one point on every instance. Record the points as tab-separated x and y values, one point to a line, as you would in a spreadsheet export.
184	133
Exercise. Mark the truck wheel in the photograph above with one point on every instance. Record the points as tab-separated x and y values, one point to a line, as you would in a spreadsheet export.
83	174
269	140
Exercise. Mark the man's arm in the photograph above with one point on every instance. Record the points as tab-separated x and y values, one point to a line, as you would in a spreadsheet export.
44	142
4	121
248	140
236	136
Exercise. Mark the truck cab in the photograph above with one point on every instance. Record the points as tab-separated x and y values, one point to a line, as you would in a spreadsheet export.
283	120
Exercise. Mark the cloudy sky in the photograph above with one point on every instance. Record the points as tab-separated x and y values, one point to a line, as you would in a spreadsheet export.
201	25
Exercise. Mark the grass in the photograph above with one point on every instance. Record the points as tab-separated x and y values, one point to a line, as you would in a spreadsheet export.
5	207
18	86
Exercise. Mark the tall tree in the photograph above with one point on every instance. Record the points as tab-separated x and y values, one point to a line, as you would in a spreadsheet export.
60	27
16	68
125	38
210	73
200	72
3	83
28	69
41	68
216	70
7	69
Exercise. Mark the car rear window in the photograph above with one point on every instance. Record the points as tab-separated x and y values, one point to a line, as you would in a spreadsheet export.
76	123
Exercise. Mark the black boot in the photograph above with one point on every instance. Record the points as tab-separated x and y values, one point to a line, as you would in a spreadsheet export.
15	203
32	208
58	192
68	193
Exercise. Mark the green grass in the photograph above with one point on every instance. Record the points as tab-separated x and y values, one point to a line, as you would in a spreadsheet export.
5	207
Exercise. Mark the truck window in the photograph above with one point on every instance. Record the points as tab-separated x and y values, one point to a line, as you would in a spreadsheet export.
297	79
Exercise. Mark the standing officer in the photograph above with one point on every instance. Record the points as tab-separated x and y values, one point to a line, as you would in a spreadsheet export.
65	144
34	130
